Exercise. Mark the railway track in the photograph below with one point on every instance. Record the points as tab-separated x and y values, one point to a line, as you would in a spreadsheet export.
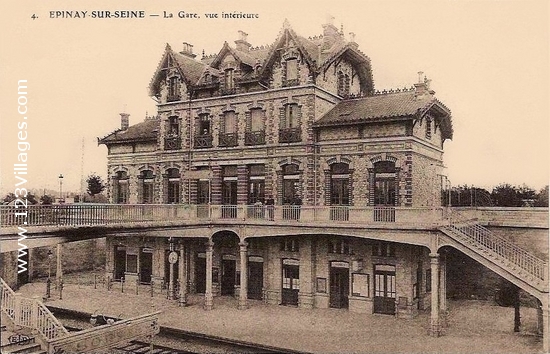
169	340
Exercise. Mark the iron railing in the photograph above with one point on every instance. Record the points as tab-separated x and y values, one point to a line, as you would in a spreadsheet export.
228	139
254	138
503	248
108	214
290	135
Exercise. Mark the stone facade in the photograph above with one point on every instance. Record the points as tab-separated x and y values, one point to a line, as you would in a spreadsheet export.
298	122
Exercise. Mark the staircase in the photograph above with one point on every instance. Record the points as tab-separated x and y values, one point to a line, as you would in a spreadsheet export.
29	327
19	342
502	256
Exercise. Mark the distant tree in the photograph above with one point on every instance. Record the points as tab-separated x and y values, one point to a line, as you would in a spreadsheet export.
8	198
506	195
46	199
469	196
95	184
541	198
31	199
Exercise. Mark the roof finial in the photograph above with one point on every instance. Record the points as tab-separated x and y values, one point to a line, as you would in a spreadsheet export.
420	79
286	24
341	29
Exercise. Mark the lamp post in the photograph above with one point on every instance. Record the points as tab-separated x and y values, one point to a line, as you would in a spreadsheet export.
49	281
60	187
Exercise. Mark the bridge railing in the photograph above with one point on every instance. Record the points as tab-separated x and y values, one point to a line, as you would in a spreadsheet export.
504	248
30	313
105	214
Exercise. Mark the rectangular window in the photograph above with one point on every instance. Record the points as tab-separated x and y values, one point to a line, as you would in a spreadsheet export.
257	120
228	79
204	124
383	249
131	263
173	126
290	245
428	128
147	192
229	122
173	191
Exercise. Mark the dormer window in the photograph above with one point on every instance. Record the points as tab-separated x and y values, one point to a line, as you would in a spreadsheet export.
173	89
428	127
343	84
228	79
207	78
292	69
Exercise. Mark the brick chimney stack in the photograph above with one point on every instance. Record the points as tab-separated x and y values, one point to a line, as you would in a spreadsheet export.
188	50
422	87
242	43
330	33
124	121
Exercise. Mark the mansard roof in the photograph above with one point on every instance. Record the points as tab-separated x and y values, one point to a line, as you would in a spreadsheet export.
143	131
315	51
189	69
395	105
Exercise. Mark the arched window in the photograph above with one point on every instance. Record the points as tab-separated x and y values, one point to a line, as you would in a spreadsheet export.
173	175
384	183
291	185
121	188
339	184
147	183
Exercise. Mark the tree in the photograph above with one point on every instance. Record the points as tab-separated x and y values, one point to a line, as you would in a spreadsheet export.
31	199
541	198
46	200
506	195
95	184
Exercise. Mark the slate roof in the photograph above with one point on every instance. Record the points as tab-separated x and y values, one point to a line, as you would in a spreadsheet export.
143	131
191	68
371	108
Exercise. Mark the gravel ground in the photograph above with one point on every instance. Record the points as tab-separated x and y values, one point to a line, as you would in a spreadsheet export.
473	326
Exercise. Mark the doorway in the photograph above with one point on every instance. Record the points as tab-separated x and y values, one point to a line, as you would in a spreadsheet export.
339	285
384	289
120	262
291	282
200	273
228	277
145	265
255	278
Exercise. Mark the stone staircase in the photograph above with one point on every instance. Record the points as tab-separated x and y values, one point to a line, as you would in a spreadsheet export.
505	258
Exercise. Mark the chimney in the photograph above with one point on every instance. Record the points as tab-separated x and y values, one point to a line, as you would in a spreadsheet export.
124	121
330	33
242	43
352	41
188	50
421	87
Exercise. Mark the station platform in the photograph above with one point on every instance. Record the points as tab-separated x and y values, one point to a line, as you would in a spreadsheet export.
473	326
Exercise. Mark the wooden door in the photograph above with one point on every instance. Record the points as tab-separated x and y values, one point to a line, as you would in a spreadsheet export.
291	284
384	291
255	280
339	287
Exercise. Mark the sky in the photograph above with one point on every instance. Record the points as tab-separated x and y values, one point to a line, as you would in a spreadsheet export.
488	62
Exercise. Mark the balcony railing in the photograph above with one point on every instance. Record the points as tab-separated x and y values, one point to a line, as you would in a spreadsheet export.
203	141
228	139
107	214
254	138
172	143
172	98
290	135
